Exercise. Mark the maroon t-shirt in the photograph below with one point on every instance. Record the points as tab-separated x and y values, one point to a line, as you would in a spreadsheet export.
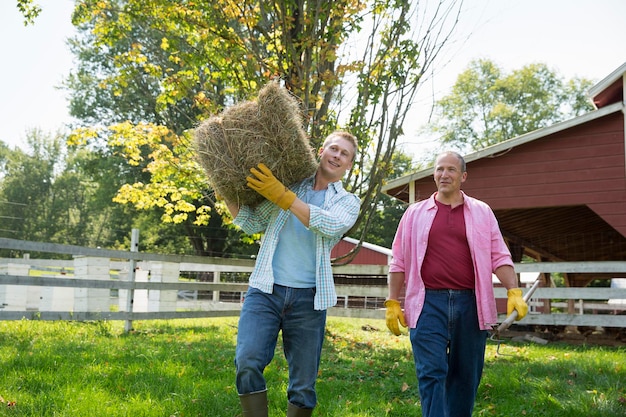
448	262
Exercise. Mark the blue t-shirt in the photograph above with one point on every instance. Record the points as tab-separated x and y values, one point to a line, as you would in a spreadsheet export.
294	260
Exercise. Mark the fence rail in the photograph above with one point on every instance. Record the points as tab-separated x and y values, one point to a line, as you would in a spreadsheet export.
566	306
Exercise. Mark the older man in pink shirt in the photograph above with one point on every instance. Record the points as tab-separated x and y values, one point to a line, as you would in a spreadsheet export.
444	252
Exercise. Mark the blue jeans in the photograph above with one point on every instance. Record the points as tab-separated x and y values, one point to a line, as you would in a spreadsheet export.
262	317
449	353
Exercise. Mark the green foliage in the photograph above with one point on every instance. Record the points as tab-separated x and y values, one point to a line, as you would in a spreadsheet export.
27	188
383	223
167	65
54	194
487	106
29	9
185	368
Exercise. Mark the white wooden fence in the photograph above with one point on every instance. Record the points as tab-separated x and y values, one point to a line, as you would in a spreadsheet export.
148	287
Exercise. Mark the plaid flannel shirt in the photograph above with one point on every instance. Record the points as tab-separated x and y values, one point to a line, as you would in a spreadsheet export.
328	222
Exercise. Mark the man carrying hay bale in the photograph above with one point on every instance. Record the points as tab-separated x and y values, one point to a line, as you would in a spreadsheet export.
292	284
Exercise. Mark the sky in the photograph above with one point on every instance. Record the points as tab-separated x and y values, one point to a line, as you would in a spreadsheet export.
575	38
35	60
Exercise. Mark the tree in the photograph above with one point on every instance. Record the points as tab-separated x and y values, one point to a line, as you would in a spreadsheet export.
46	196
55	194
26	187
487	106
150	70
389	210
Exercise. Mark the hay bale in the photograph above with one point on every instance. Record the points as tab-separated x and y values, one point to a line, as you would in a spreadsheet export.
269	130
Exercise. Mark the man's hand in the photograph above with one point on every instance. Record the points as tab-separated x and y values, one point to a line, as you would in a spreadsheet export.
266	184
516	302
393	315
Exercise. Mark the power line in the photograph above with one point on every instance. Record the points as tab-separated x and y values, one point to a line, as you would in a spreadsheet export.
12	203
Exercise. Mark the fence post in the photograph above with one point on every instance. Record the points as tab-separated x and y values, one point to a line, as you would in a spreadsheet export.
161	300
92	299
216	279
14	297
134	247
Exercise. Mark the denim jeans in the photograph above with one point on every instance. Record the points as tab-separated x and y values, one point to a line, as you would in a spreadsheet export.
262	317
449	353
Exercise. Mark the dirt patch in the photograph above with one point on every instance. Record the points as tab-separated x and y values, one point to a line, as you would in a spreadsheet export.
576	336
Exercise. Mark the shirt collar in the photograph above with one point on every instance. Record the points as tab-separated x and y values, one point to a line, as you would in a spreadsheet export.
336	186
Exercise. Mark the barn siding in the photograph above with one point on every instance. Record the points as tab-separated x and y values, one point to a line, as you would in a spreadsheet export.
583	165
365	256
613	212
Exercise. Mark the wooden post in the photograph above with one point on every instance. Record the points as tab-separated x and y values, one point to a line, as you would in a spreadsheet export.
216	279
134	247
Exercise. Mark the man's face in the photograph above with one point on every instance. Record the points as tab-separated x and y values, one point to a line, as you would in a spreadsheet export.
336	157
448	175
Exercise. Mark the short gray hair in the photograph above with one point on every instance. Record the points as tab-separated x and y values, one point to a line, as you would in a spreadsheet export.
459	157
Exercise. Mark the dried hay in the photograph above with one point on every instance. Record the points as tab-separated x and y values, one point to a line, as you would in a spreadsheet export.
268	130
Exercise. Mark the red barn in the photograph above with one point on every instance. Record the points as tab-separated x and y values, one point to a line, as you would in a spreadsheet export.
369	254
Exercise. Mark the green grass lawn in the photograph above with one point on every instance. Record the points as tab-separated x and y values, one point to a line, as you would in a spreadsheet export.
185	368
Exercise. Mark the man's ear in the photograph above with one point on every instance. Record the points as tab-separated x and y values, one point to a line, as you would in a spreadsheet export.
320	150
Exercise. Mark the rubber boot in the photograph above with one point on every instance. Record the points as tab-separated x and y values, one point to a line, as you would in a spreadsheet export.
254	404
293	411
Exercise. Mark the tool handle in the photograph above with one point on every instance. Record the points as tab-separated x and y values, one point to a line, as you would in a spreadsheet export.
511	317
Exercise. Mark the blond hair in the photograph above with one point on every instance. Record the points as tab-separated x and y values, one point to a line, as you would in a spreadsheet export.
343	135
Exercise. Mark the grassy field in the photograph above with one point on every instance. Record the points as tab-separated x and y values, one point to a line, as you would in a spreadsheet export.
185	368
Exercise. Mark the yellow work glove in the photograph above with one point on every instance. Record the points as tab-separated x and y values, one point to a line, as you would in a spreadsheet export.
516	302
393	315
266	184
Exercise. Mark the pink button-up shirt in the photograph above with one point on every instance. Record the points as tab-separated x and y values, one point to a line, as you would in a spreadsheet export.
487	247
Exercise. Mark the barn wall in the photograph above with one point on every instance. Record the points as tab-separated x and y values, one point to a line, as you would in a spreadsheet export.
583	165
365	256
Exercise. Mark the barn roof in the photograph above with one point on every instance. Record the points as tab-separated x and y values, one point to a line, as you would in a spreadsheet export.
369	253
559	193
610	89
376	248
399	187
